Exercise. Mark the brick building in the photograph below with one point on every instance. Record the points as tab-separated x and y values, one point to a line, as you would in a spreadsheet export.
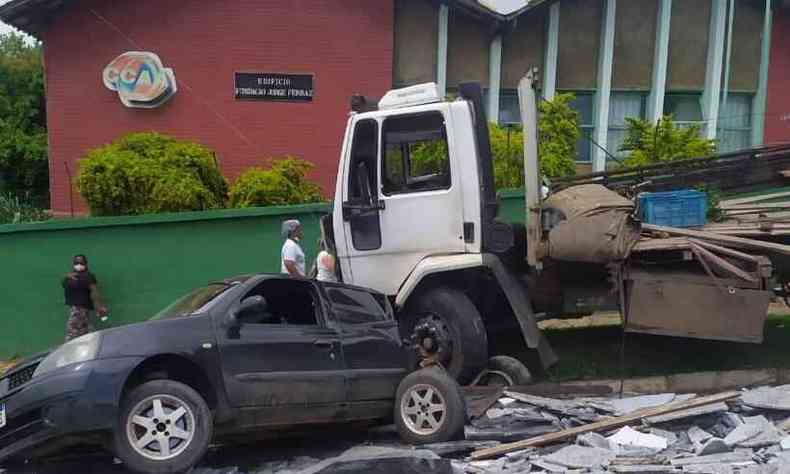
719	63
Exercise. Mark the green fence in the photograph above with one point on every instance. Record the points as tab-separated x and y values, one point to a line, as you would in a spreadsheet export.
142	263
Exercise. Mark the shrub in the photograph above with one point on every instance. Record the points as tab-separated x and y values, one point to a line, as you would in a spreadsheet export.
558	133
144	173
648	143
283	183
14	210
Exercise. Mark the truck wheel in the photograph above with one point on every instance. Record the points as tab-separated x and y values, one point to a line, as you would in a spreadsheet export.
462	334
505	371
430	407
165	426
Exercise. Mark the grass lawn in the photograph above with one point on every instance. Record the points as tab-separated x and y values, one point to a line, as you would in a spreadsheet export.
594	352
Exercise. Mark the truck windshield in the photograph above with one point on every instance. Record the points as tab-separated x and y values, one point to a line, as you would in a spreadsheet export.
193	302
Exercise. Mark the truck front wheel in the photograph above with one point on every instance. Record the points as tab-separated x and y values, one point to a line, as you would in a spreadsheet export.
460	334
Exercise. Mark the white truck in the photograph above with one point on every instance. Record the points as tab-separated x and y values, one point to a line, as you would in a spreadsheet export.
415	217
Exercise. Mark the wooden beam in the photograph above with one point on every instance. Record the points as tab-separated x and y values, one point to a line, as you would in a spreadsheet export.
722	239
603	425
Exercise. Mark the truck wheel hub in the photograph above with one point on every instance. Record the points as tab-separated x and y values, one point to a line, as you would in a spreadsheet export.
432	338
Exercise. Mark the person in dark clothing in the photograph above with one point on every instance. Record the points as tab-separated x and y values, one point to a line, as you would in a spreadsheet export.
81	292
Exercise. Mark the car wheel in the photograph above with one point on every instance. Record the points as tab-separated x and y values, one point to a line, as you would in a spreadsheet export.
430	407
506	371
165	426
461	332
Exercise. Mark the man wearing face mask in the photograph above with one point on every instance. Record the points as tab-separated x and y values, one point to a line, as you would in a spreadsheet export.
81	292
292	255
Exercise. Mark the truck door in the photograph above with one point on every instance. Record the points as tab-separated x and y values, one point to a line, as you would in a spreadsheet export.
403	199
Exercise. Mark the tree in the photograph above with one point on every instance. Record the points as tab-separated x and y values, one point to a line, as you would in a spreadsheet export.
647	143
558	133
23	136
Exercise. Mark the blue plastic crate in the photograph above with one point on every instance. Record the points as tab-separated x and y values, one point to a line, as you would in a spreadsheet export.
685	208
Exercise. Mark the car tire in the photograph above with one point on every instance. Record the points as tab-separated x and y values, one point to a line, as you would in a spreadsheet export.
430	407
150	412
464	325
516	372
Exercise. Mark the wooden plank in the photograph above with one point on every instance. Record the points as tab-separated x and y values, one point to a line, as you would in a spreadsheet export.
724	265
602	425
722	239
672	243
730	252
751	207
753	199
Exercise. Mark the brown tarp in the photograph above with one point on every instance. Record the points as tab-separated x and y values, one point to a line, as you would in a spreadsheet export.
598	225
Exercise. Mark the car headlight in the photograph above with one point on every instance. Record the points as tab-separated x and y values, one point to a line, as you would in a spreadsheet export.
82	349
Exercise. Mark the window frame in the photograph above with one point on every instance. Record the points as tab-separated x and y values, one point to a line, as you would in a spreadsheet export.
643	96
387	315
405	161
742	129
321	320
685	123
586	130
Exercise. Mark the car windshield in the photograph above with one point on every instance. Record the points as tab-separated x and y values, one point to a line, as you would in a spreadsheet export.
193	302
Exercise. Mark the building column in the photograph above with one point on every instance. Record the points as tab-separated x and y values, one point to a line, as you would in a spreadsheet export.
760	98
494	78
552	46
655	103
441	50
727	53
716	38
605	59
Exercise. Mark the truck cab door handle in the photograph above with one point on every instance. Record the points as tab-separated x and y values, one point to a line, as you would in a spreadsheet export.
323	343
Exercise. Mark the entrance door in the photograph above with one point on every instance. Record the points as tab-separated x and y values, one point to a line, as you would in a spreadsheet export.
415	208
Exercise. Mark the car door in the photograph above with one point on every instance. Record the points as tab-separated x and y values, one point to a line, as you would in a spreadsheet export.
284	363
402	197
375	358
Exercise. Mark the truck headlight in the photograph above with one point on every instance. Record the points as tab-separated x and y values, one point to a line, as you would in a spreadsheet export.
82	349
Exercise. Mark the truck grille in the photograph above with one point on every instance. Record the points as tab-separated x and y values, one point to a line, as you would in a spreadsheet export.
21	377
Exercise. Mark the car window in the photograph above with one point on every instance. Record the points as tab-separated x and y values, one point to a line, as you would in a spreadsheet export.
352	306
288	301
194	302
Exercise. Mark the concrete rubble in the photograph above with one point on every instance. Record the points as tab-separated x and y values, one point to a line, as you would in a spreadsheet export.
746	435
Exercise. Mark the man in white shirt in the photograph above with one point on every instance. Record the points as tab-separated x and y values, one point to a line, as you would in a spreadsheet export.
292	256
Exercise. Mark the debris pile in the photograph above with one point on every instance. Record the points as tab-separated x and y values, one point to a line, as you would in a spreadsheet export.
735	432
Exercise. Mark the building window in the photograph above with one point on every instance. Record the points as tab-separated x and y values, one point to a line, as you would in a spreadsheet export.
509	109
623	105
685	109
735	123
583	104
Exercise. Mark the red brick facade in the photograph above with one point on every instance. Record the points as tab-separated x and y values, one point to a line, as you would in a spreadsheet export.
346	44
777	110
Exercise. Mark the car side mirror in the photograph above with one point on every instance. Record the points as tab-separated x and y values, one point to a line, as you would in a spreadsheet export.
251	305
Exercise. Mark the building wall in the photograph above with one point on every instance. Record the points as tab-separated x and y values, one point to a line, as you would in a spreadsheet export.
746	45
347	44
777	113
634	42
416	39
523	47
580	33
688	44
468	43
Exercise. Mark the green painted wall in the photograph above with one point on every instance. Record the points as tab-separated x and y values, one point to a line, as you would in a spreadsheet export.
142	263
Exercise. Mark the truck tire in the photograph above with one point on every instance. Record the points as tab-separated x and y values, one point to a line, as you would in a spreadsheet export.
430	407
459	320
164	427
516	372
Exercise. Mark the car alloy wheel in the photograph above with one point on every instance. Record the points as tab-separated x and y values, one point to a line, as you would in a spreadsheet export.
424	410
160	427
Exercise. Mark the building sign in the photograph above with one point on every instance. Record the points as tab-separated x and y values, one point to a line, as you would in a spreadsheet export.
140	80
272	86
